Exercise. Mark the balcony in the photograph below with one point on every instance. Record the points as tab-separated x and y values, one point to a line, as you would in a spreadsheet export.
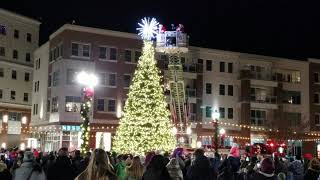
259	78
268	99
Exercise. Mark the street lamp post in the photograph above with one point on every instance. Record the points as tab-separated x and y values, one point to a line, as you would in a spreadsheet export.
88	81
215	117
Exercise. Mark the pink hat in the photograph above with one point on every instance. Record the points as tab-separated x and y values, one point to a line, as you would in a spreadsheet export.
234	152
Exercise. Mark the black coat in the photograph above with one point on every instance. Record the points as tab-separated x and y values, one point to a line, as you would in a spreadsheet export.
61	169
201	169
151	174
261	176
5	175
311	174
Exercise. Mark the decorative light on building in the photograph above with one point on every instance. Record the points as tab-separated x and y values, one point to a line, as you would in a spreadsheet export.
5	118
89	80
22	146
24	120
215	115
222	131
3	145
148	28
189	131
199	144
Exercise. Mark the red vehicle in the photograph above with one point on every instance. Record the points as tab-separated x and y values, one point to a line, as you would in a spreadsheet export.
271	147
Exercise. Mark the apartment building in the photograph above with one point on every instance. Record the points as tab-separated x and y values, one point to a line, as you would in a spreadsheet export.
258	97
18	40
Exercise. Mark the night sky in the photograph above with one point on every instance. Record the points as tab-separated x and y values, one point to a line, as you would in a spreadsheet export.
283	28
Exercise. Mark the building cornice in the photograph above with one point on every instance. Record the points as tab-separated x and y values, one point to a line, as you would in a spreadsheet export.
17	64
19	16
73	27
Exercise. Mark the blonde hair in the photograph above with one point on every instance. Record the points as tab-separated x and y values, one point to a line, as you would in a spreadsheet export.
98	167
136	168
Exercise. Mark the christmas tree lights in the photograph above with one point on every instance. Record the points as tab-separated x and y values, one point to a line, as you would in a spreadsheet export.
145	125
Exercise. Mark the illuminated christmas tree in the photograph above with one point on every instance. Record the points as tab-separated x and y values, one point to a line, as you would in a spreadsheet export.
146	124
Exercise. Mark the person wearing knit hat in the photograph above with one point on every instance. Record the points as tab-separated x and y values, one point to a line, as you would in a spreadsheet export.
266	171
29	169
313	171
234	151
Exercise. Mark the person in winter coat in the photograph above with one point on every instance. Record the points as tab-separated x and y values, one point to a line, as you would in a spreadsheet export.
201	168
156	169
296	168
266	171
62	167
99	168
313	171
174	169
29	169
76	162
121	167
4	172
279	166
230	167
135	170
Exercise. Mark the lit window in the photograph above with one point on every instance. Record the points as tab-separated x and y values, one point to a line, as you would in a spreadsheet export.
73	104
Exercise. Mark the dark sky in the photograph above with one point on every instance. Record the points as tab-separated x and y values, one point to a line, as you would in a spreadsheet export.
284	28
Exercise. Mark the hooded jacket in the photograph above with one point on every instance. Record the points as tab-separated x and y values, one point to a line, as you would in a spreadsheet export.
26	170
201	169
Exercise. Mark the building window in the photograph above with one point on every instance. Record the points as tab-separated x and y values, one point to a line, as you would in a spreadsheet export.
73	104
36	86
126	80
16	34
209	65
112	79
316	77
2	51
222	66
28	57
71	76
13	95
55	79
1	72
230	113
100	106
25	97
208	88
230	90
49	81
14	116
317	119
28	37
127	55
111	105
55	105
208	112
13	74
86	50
137	55
257	117
292	97
27	77
222	89
316	98
75	49
48	105
102	53
35	109
3	30
1	94
222	112
38	63
15	54
113	54
230	67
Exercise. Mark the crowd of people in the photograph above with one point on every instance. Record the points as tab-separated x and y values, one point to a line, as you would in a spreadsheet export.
178	165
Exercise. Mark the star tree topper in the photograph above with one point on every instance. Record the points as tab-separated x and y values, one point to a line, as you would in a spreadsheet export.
148	28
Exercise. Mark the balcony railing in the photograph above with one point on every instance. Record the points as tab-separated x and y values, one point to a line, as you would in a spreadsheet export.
257	121
247	74
268	99
191	92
